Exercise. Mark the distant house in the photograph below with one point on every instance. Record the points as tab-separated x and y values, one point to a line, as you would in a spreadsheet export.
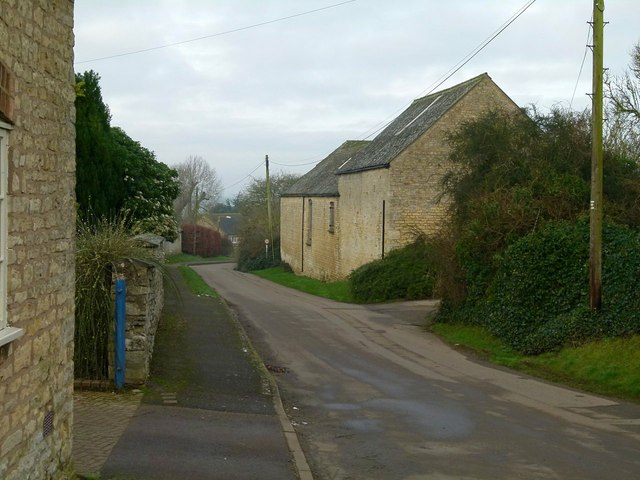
37	231
228	225
366	199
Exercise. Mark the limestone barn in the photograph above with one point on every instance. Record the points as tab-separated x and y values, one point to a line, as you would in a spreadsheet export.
309	230
368	198
37	231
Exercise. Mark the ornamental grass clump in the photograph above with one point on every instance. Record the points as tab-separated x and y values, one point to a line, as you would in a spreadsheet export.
102	250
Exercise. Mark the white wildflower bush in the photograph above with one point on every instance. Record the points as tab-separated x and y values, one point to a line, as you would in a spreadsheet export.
150	189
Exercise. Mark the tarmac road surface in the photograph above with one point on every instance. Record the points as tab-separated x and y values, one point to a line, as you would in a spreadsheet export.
205	413
373	396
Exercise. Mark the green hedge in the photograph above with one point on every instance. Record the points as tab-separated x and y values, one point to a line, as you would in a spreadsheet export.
404	274
538	299
256	259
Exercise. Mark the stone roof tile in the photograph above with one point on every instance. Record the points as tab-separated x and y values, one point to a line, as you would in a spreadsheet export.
321	181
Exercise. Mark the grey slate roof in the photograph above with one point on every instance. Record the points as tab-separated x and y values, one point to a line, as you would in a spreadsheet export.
229	224
407	127
321	181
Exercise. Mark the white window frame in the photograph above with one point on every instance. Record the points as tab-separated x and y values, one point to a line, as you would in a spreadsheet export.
7	333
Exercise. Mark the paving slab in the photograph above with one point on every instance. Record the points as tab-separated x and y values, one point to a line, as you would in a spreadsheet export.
99	420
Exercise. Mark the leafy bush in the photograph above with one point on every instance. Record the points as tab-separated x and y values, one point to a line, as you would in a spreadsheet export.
406	273
526	281
250	259
255	228
538	299
201	241
138	183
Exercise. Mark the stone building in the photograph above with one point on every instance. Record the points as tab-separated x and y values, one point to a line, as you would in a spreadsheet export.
37	230
309	230
367	199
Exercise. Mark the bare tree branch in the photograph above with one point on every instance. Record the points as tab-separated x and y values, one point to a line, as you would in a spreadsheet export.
199	187
623	111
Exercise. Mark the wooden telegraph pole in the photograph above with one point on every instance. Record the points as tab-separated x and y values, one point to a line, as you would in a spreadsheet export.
595	243
195	223
266	162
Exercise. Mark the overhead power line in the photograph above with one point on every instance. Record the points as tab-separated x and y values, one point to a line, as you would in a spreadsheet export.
299	164
243	178
219	34
453	70
584	57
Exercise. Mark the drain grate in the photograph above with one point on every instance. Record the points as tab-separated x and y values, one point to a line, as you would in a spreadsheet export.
47	424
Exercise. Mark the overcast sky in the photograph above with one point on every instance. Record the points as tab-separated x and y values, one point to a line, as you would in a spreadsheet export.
297	88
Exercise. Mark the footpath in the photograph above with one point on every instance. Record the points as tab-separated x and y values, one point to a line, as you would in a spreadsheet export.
208	410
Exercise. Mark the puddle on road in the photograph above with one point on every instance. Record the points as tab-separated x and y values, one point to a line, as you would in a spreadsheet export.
342	406
434	421
363	425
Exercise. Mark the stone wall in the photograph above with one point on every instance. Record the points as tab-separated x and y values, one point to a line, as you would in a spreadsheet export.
291	232
416	174
145	298
36	370
322	250
173	248
318	256
364	201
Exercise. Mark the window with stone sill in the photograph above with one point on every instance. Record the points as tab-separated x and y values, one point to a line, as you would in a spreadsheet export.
7	332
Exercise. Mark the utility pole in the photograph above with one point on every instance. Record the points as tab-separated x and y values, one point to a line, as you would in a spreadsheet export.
195	222
595	230
266	162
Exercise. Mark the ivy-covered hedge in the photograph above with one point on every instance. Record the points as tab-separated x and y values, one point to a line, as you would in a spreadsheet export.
538	299
404	274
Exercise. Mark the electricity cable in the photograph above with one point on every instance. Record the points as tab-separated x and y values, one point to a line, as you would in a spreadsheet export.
584	57
298	164
457	66
227	32
366	135
243	178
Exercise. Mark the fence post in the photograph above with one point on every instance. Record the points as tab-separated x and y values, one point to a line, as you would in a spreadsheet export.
121	297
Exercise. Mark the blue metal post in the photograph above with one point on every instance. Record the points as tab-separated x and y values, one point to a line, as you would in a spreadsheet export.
121	296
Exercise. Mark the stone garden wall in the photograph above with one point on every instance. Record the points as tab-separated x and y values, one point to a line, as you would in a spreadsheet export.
145	298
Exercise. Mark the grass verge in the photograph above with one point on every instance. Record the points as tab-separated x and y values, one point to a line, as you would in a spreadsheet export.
196	284
338	291
606	367
186	258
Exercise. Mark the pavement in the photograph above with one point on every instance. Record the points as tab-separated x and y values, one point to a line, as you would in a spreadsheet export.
210	409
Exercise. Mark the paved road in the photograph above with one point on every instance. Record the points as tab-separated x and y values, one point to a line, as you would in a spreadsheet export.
374	397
